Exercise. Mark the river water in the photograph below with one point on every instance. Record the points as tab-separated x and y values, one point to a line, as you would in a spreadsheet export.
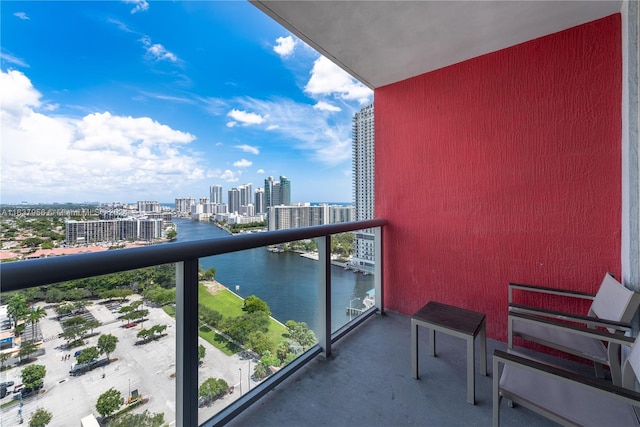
287	282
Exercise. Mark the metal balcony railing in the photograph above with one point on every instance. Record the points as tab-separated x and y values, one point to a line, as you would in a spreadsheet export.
30	273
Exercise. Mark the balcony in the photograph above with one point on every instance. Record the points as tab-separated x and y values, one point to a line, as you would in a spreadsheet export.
186	255
356	375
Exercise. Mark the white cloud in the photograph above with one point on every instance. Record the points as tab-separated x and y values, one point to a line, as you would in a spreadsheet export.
325	106
260	171
140	5
11	59
307	128
243	163
249	149
246	118
272	127
64	158
284	46
329	79
157	51
231	124
21	15
226	175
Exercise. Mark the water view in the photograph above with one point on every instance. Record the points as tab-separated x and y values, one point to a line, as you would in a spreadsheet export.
286	281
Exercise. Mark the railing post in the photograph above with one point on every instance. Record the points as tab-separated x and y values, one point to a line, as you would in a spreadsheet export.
187	343
324	294
378	269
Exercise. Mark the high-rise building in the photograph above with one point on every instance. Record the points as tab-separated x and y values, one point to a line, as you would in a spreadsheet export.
147	206
233	198
246	194
277	192
183	205
363	185
215	194
259	201
303	215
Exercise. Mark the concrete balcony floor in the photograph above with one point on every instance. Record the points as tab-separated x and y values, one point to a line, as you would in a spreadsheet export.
368	382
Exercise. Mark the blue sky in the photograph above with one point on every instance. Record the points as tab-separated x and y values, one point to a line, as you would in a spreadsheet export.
126	101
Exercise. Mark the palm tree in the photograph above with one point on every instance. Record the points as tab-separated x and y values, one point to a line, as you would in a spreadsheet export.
35	315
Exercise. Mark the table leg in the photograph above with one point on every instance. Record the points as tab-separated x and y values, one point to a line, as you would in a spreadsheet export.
483	349
414	349
432	342
471	362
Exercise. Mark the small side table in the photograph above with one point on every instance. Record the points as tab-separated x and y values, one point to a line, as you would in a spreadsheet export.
457	322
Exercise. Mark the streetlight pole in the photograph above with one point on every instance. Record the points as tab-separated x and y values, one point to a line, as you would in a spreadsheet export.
249	375
240	369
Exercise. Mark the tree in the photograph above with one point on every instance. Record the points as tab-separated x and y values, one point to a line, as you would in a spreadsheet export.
3	358
40	418
107	344
253	303
35	315
209	274
259	342
201	352
74	328
212	388
16	307
26	349
209	316
33	376
109	402
146	419
87	355
300	332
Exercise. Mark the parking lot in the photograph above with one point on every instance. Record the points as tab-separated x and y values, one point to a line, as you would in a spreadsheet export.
148	368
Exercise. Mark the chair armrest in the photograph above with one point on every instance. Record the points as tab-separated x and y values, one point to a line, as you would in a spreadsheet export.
591	321
547	290
606	387
579	330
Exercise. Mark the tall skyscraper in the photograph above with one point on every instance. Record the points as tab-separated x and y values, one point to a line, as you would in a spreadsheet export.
285	191
233	200
215	194
259	201
277	193
246	194
363	185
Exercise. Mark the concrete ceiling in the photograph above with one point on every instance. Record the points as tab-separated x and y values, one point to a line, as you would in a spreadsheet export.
382	42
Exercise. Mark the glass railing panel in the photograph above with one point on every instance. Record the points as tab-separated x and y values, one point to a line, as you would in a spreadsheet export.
258	310
95	344
352	276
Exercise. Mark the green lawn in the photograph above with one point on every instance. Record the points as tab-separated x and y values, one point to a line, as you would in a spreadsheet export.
230	305
218	341
170	310
224	302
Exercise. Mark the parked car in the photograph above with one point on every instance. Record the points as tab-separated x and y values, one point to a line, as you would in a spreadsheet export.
6	384
130	325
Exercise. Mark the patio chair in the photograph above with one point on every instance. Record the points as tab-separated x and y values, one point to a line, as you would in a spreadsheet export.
612	308
565	397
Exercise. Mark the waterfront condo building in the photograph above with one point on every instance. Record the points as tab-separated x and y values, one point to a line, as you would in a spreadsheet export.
183	205
215	194
146	206
363	185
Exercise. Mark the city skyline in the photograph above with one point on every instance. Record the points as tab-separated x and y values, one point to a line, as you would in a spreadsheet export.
106	102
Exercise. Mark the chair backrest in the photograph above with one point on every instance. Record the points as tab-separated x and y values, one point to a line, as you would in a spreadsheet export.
614	301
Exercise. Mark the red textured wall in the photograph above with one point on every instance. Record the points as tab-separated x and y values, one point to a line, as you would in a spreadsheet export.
506	167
